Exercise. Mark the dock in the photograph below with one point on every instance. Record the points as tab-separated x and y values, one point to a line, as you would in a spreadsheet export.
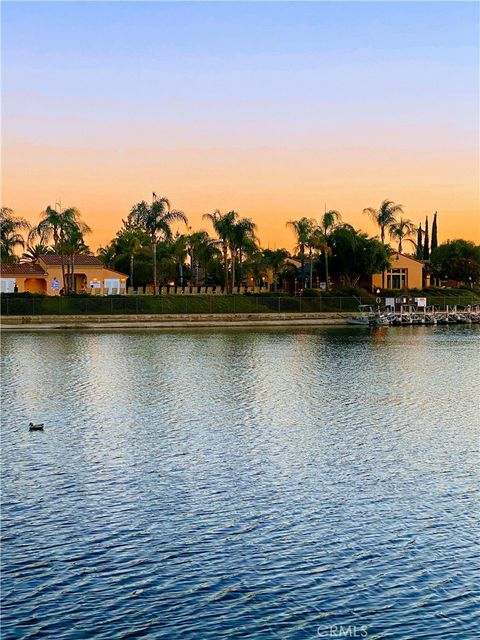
411	314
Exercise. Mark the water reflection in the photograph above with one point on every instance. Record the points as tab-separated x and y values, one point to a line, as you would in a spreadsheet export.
240	484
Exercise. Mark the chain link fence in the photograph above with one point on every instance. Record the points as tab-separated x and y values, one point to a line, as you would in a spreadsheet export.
172	304
12	305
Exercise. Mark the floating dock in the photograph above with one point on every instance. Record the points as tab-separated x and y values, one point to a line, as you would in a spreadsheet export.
410	314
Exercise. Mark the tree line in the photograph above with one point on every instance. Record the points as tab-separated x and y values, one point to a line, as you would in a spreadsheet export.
147	248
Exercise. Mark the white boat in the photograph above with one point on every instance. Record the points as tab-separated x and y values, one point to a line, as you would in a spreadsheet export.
381	320
365	316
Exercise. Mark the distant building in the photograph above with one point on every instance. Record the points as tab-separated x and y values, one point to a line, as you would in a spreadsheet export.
404	272
44	276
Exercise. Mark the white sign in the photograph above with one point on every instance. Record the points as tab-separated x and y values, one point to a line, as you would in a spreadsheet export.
390	302
7	285
95	284
421	302
55	285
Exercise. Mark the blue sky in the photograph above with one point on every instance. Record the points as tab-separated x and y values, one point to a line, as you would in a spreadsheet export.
237	78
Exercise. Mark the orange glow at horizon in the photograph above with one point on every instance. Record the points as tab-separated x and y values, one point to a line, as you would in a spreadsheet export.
266	184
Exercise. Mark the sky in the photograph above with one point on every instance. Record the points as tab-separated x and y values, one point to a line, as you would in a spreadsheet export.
273	109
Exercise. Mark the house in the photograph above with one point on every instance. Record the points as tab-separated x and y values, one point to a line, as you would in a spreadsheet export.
404	272
292	280
44	276
28	276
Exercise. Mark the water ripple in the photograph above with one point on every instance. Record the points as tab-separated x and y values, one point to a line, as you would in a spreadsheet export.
280	484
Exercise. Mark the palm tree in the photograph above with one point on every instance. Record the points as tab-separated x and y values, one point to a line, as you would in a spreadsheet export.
316	241
34	251
310	244
108	254
50	226
329	221
400	230
75	245
223	223
242	237
257	266
10	233
130	243
155	219
199	248
275	259
180	252
384	216
302	229
66	230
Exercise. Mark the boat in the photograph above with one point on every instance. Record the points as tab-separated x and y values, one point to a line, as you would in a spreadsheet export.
381	319
414	315
365	316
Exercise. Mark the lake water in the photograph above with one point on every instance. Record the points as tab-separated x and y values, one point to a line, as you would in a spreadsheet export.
239	484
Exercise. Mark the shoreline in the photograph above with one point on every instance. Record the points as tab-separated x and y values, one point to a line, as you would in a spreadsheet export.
173	321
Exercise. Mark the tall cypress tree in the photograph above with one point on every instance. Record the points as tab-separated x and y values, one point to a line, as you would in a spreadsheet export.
419	242
426	251
434	242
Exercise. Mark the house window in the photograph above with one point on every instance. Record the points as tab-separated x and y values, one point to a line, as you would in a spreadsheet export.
111	286
397	278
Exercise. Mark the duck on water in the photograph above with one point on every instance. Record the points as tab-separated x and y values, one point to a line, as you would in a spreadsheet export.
36	427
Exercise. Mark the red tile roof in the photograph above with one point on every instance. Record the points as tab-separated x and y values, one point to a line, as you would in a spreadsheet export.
80	260
405	255
23	269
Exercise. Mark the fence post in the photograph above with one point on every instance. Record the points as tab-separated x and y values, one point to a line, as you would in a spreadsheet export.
186	304
111	304
33	306
341	307
136	303
86	305
279	305
300	303
8	313
210	303
234	303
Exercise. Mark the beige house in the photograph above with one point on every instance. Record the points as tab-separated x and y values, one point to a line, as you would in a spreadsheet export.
23	277
404	272
45	276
